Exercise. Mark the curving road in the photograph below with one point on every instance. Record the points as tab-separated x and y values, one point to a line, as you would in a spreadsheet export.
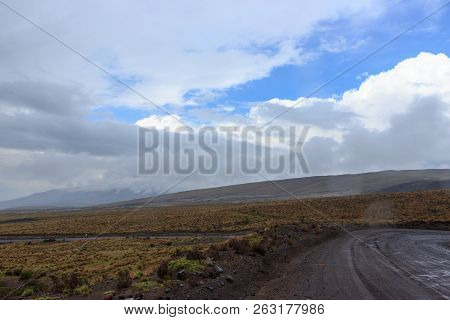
379	264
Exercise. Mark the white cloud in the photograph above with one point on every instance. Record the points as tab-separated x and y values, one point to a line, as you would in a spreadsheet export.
163	49
378	99
399	118
362	76
390	93
160	122
340	44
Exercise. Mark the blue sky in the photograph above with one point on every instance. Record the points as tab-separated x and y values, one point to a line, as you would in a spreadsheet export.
335	46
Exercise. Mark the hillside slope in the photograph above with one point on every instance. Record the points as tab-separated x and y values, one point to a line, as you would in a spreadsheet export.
350	184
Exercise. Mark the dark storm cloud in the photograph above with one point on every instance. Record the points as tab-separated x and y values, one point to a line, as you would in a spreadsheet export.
46	116
45	97
415	139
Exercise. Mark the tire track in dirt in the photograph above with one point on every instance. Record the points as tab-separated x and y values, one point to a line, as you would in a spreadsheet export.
369	264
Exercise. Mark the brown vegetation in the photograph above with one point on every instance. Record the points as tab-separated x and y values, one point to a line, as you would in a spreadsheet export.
81	268
393	208
61	269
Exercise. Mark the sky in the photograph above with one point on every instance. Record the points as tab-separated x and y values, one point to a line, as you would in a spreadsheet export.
78	78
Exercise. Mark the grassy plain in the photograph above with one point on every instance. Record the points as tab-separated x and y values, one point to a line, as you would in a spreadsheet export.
427	206
65	269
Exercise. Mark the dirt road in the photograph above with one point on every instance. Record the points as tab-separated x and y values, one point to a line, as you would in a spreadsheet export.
369	264
150	235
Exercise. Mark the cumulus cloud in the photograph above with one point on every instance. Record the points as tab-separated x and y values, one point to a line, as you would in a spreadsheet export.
396	119
378	99
382	96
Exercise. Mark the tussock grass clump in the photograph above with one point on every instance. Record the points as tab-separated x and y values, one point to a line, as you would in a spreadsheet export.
184	264
144	286
170	268
66	282
25	274
258	244
254	243
123	279
195	255
28	292
214	250
83	290
46	298
163	270
240	246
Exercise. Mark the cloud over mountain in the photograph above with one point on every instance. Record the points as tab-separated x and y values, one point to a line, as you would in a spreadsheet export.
183	57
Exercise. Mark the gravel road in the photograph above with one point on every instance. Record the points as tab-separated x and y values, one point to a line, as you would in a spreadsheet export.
369	264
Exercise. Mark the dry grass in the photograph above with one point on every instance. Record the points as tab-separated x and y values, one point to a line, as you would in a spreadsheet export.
93	260
386	208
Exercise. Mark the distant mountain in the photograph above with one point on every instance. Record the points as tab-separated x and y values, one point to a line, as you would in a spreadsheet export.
70	198
321	186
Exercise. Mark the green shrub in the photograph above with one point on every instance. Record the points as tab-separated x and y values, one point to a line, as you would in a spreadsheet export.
144	286
28	292
46	298
184	264
84	290
257	244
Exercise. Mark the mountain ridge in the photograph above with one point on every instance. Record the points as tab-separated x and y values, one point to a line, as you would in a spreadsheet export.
316	186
